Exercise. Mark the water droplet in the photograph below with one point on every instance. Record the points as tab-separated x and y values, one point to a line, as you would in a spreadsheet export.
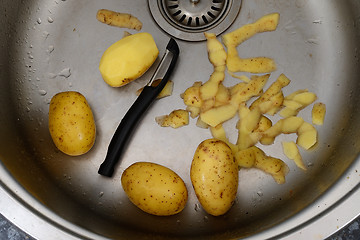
50	20
31	56
38	20
52	75
42	92
27	109
260	194
313	41
197	207
178	221
101	194
206	218
46	34
70	84
66	72
51	49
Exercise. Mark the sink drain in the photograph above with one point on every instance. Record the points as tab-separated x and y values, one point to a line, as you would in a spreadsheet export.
189	19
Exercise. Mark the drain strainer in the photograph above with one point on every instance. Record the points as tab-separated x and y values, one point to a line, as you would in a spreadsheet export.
189	19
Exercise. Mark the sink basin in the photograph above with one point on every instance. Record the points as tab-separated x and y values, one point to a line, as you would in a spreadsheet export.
53	46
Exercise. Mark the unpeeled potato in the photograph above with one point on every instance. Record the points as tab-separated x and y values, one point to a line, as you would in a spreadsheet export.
214	175
155	189
71	123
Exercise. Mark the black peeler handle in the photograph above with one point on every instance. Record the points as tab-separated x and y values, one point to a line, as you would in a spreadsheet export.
132	117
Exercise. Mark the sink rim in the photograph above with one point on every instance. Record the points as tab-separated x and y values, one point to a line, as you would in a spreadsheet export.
336	207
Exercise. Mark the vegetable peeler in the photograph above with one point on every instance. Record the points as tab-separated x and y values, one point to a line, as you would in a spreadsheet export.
139	107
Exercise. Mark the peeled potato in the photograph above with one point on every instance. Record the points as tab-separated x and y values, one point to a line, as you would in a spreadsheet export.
128	59
71	123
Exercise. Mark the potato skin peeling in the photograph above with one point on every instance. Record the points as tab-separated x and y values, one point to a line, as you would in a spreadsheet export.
214	176
155	189
123	20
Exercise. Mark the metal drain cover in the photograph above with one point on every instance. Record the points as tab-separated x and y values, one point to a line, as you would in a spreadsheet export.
189	19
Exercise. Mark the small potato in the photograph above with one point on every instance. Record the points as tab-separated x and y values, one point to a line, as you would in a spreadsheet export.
214	175
155	189
71	123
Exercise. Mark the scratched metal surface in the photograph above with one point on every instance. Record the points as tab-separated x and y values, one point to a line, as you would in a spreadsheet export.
54	46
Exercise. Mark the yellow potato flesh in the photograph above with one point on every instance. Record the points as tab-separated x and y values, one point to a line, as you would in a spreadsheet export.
215	116
233	39
249	120
222	96
296	102
255	157
118	19
128	59
253	65
217	56
273	92
155	189
264	24
175	119
71	123
214	104
307	136
249	90
292	152
214	175
318	113
191	97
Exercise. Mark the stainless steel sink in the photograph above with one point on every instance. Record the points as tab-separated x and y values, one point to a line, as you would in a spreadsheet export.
52	46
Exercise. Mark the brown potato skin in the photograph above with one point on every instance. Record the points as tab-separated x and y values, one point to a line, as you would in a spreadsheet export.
214	175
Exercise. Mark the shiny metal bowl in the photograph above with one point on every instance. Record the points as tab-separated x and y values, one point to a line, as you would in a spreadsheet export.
52	46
